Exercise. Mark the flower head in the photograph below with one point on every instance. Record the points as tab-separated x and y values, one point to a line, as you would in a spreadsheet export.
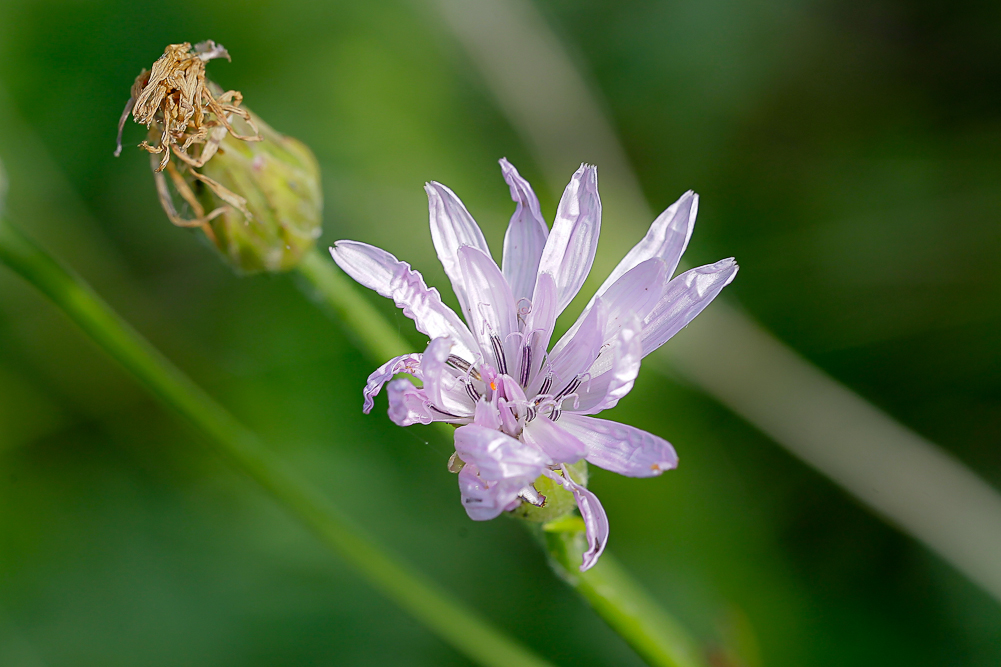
254	192
523	408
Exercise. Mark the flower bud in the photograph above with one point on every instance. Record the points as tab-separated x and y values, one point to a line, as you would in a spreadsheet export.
254	192
279	181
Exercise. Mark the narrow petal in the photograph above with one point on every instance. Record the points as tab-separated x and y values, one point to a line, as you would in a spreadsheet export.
499	456
634	294
621	448
526	235
684	298
577	355
435	372
490	311
451	228
614	372
558	444
595	519
666	239
569	251
539	324
485	500
380	271
407	363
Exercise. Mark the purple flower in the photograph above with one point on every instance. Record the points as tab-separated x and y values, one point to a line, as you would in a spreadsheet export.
522	408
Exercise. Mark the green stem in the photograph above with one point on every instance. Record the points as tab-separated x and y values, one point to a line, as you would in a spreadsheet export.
451	620
617	597
366	326
607	587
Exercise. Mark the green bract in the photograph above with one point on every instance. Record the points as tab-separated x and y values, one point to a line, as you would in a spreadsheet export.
279	179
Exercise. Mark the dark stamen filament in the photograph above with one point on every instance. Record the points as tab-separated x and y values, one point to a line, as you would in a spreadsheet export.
439	410
495	342
547	384
471	390
569	389
526	364
458	363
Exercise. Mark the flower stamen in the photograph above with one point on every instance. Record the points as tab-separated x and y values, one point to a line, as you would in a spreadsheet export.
498	347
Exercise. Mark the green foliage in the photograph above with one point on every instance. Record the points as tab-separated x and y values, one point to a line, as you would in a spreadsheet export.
846	154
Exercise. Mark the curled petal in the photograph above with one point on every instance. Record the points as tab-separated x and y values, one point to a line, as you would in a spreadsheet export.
595	519
526	235
499	456
558	444
378	270
407	404
684	298
451	228
666	239
484	500
621	448
570	248
407	363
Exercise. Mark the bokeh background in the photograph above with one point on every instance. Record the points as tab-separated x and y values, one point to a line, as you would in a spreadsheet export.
847	154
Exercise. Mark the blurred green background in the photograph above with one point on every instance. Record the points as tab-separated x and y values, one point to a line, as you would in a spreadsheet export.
847	154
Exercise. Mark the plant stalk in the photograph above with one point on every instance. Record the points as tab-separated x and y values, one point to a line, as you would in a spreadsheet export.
458	625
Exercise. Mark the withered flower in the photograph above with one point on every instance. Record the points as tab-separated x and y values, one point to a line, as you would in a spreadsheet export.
253	191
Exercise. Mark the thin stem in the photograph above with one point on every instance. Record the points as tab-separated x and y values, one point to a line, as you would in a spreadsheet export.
366	326
451	620
618	598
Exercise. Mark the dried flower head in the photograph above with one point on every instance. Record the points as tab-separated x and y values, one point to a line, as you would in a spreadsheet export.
176	97
253	191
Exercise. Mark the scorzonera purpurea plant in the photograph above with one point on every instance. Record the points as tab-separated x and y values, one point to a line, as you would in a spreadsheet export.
523	410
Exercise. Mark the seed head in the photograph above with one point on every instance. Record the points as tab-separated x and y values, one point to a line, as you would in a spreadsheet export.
254	192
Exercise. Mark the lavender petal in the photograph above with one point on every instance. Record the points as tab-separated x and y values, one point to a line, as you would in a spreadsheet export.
621	448
451	228
557	443
490	309
684	298
407	363
499	456
667	239
634	294
484	500
407	404
526	235
577	355
595	519
615	371
569	251
382	272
